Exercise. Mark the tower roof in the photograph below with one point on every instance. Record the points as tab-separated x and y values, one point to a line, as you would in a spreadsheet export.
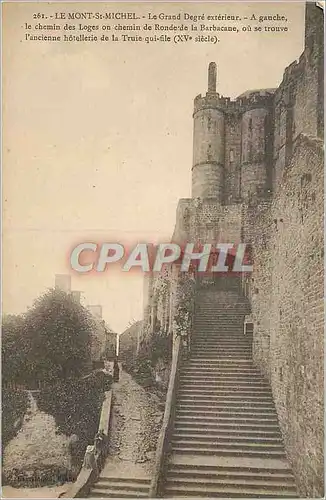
261	92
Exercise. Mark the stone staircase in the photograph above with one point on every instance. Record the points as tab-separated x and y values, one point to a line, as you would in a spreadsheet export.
226	440
122	487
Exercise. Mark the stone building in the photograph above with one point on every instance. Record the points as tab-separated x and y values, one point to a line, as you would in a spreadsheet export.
103	340
128	341
257	178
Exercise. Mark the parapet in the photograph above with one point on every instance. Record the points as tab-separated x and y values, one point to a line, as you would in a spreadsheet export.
248	100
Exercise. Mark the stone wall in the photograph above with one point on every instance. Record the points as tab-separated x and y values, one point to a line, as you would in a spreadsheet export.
207	221
286	292
298	102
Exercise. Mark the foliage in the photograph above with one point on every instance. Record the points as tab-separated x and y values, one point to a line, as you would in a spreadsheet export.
49	342
76	407
184	312
14	406
140	367
56	332
15	349
161	347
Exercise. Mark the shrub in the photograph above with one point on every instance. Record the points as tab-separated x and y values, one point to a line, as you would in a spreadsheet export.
76	407
14	406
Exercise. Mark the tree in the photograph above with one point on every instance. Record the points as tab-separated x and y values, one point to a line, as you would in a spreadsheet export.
15	348
58	329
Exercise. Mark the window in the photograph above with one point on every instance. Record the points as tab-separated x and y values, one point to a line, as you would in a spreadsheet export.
231	156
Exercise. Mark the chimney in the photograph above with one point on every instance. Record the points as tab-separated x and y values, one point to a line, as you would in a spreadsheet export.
63	282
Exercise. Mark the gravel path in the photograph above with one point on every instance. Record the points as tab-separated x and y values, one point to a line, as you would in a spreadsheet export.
43	492
135	425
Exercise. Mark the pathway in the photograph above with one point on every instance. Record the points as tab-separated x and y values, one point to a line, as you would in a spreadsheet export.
135	425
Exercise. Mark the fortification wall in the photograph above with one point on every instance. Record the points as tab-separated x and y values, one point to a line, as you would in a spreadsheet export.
286	293
298	102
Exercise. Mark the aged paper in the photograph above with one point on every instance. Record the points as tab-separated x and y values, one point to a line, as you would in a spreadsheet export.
163	255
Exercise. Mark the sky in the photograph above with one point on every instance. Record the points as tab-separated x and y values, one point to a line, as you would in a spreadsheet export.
97	141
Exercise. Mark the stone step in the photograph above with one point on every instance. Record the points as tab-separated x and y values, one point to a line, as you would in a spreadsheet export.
123	485
221	438
195	404
197	379
204	471
213	372
227	433
219	394
212	334
227	445
246	368
113	493
219	356
269	415
204	374
175	491
224	310
239	365
208	341
227	366
113	487
228	490
225	373
223	376
225	407
215	329
218	346
220	390
223	450
252	480
215	324
230	426
197	349
219	352
218	343
227	370
248	413
216	383
209	314
205	419
224	402
211	368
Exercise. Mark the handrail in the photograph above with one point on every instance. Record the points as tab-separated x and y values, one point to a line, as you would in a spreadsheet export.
163	439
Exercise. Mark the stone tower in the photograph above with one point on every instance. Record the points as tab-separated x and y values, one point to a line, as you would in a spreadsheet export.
254	146
208	143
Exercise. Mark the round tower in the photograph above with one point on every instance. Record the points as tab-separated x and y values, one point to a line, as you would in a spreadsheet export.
208	142
254	147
